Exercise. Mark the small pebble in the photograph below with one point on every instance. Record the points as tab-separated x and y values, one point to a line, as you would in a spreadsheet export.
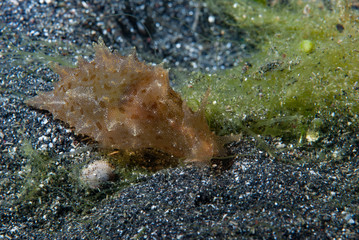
97	173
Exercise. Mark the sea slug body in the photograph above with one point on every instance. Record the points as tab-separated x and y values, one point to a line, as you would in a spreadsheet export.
126	104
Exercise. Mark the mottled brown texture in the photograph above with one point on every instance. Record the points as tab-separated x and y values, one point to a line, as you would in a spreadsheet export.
125	104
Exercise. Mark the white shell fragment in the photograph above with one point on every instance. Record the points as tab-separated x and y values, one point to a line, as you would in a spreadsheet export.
97	173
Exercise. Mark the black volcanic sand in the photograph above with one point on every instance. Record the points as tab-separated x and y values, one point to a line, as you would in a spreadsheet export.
306	192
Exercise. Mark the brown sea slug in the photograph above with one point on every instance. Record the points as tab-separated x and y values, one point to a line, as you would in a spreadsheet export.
125	104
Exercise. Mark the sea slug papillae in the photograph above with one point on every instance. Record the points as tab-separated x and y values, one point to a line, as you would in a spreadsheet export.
126	104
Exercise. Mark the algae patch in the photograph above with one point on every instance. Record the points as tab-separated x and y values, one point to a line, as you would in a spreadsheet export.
53	189
305	66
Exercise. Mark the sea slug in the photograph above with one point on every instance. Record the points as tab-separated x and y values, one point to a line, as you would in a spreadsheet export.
123	103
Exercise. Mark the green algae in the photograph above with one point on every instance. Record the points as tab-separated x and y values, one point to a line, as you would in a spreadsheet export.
304	66
54	188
